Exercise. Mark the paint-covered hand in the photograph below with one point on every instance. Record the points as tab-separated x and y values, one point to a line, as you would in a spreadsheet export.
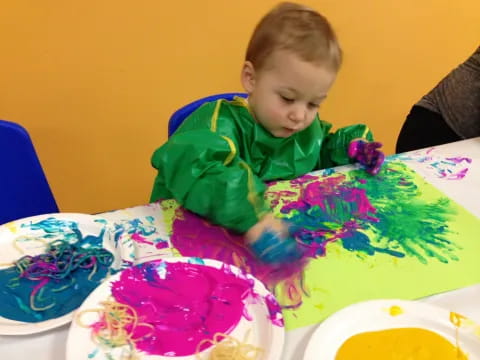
367	154
272	248
272	241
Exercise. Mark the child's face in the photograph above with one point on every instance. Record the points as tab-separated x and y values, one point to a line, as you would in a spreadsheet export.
286	94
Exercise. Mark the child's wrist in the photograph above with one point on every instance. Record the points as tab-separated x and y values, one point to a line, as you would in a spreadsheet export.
268	223
254	233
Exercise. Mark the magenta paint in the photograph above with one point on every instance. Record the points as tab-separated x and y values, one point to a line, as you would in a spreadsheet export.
194	236
138	238
274	310
185	303
460	159
459	175
326	191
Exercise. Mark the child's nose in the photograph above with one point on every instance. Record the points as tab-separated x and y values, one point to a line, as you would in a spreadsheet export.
297	114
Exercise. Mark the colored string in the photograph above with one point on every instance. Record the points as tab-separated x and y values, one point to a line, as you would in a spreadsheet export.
116	326
226	347
60	260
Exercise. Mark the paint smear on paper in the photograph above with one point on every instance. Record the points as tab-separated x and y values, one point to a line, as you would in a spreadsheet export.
365	215
444	167
370	215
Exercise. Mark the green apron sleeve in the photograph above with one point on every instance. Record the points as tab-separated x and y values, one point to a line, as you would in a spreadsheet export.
335	147
200	169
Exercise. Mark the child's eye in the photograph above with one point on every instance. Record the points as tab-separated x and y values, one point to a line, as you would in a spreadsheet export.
287	99
313	105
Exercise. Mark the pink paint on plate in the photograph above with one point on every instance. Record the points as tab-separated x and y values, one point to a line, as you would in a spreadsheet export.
184	303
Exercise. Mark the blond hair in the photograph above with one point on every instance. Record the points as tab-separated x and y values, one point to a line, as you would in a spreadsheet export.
296	28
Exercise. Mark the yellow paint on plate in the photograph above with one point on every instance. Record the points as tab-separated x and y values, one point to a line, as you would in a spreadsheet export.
399	344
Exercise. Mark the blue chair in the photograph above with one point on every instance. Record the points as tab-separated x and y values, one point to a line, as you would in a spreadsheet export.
181	114
24	190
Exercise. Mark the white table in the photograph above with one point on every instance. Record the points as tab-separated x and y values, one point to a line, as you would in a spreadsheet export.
50	345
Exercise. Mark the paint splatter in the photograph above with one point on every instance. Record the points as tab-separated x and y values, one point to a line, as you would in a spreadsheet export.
53	228
459	321
448	168
131	234
395	310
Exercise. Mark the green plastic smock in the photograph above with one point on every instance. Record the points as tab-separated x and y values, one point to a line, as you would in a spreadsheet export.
217	162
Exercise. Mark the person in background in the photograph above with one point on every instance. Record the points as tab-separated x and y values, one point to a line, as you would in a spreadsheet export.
218	160
448	113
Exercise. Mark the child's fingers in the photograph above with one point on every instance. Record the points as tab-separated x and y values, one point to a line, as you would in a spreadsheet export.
374	169
375	145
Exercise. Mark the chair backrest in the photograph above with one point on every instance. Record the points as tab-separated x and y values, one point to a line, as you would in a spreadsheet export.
24	190
181	114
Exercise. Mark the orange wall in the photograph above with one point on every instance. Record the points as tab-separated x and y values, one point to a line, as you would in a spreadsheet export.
95	81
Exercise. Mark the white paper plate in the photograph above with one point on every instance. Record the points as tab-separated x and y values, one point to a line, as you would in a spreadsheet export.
377	315
263	332
24	236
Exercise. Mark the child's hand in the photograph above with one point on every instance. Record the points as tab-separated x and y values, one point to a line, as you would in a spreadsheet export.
271	241
367	154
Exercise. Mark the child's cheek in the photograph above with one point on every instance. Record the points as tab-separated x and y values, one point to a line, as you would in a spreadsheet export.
277	113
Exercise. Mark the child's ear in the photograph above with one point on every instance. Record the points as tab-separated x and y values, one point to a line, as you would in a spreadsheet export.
248	77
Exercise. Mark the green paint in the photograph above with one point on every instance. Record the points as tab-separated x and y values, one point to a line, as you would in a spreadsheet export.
408	223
